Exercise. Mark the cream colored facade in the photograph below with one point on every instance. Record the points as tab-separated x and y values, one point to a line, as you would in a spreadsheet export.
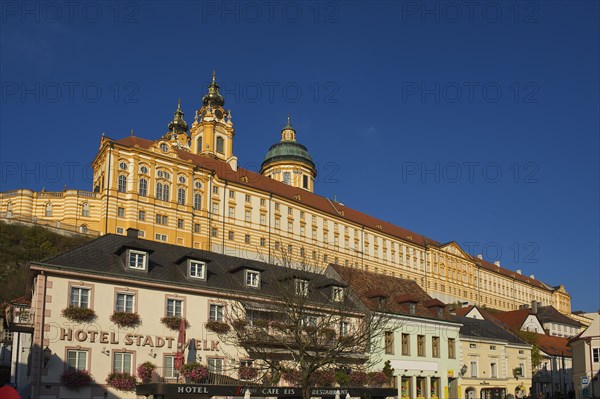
211	204
492	365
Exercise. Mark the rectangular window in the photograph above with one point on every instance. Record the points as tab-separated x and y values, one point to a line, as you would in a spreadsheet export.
215	190
522	369
494	370
337	294
474	369
420	345
215	312
197	269
451	348
231	236
263	219
596	355
435	346
214	232
305	181
170	371
248	198
142	215
263	242
125	302
160	237
405	345
120	212
277	223
248	216
262	202
137	260
122	362
180	223
301	287
165	220
231	212
215	365
287	177
196	228
290	227
215	209
231	194
344	329
389	342
252	278
80	297
174	307
247	238
77	360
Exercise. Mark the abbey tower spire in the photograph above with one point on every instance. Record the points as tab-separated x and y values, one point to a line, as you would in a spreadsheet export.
212	131
289	161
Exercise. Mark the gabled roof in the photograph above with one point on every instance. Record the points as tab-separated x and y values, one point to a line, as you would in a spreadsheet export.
485	329
514	319
98	259
549	314
369	287
553	346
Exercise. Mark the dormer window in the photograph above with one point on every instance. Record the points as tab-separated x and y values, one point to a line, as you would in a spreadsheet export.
138	260
337	294
301	287
252	278
197	269
412	307
440	312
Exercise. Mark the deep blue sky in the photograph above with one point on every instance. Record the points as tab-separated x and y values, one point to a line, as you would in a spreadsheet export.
478	124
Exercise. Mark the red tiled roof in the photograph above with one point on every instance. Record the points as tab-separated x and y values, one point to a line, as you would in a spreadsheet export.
463	311
556	346
433	303
364	283
514	319
257	181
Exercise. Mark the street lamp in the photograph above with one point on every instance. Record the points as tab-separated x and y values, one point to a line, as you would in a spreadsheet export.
47	356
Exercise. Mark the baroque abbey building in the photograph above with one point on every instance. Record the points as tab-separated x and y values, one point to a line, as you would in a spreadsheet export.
186	188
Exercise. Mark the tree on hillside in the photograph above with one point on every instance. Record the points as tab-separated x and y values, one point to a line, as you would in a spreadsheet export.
20	245
309	331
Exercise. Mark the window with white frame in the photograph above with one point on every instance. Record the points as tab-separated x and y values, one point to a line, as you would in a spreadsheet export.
473	369
174	307
77	359
344	328
301	286
197	269
122	184
137	259
215	365
252	278
596	355
122	362
494	370
80	297
215	312
337	294
125	302
169	370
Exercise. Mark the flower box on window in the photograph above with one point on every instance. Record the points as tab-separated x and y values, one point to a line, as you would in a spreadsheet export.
195	372
125	319
218	327
173	322
145	371
82	315
247	373
121	381
75	379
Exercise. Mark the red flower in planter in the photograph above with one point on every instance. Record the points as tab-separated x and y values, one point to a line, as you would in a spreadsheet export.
121	381
75	379
172	322
125	319
145	370
79	314
218	327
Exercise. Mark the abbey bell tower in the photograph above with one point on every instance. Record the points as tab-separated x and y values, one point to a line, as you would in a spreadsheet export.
212	131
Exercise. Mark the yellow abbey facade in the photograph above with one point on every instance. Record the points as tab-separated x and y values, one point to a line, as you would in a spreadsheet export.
185	188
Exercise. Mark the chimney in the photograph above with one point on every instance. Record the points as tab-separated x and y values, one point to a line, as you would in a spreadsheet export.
518	271
133	233
497	263
534	307
480	256
531	276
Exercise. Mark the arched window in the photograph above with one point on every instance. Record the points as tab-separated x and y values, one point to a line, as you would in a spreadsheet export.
83	228
197	201
166	192
48	209
85	209
122	186
9	210
181	196
143	187
220	145
159	191
199	142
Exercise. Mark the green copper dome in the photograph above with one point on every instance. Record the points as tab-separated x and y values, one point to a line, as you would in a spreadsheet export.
288	151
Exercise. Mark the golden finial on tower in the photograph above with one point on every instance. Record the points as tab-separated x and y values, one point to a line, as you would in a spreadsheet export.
214	78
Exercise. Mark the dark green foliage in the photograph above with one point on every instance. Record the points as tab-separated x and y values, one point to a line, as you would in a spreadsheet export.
20	245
